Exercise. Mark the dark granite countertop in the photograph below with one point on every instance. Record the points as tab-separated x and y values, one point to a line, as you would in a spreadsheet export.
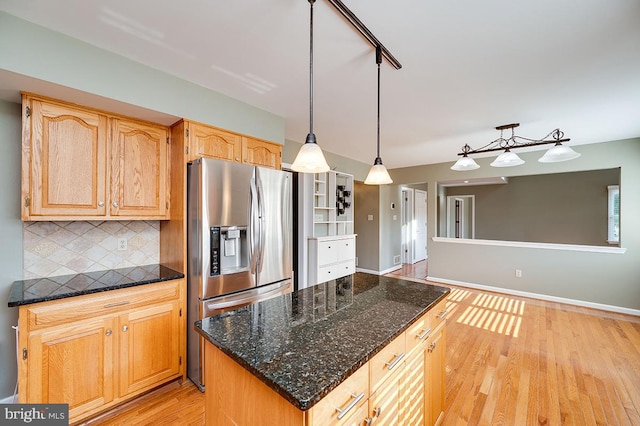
52	288
304	344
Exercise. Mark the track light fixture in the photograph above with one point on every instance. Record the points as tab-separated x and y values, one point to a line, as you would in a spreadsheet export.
508	158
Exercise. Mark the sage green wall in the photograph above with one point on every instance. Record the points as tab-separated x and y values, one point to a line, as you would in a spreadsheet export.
566	208
11	237
603	278
34	51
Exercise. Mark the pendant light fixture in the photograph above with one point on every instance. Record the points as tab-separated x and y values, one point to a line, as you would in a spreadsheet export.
310	158
378	175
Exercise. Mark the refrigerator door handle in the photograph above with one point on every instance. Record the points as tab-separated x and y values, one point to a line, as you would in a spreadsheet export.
261	224
254	225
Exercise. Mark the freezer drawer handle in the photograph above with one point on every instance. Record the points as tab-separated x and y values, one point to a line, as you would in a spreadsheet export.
343	411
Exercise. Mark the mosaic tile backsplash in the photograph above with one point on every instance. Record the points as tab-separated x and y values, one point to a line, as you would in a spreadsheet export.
62	248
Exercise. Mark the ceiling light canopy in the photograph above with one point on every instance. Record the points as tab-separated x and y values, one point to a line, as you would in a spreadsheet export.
508	158
310	158
378	175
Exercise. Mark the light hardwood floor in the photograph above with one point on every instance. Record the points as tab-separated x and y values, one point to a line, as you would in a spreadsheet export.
510	361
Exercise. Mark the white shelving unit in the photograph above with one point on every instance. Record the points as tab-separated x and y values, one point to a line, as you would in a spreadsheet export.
331	247
332	208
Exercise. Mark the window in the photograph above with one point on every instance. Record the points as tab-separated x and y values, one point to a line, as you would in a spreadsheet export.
614	214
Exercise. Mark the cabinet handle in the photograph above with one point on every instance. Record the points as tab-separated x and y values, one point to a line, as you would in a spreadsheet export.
125	327
343	411
108	332
100	203
442	314
423	334
368	421
111	305
396	359
115	204
377	411
432	346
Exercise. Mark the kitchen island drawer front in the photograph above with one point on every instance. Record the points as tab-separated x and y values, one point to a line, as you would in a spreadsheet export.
338	407
439	313
48	314
419	332
387	361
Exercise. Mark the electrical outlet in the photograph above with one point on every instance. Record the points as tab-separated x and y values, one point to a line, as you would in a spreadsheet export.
396	260
122	243
518	273
356	261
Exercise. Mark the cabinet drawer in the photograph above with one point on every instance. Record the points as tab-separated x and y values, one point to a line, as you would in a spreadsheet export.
48	314
387	361
346	249
327	252
419	332
343	401
338	270
439	313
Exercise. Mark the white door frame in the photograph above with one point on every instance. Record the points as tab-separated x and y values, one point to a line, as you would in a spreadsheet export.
407	225
418	244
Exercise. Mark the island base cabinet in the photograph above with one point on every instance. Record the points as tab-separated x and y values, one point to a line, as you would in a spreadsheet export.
435	367
234	396
99	350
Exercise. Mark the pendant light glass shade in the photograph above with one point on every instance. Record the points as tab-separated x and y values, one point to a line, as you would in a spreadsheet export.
507	159
558	153
465	163
378	174
310	158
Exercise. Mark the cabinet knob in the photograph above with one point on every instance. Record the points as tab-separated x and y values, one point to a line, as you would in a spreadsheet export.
125	327
115	204
100	203
108	332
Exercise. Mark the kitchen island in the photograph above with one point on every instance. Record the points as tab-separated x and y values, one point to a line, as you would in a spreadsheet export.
362	348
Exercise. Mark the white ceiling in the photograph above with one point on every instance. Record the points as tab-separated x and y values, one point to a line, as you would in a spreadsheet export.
467	65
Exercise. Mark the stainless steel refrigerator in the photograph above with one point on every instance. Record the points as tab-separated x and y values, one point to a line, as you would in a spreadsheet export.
239	231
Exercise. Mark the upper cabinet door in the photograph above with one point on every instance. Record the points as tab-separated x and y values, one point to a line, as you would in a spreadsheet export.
261	153
206	141
139	173
64	161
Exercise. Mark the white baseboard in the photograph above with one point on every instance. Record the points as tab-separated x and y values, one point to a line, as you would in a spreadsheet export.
386	271
539	296
9	400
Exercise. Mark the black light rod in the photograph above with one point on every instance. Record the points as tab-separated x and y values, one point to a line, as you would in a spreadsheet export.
525	145
358	25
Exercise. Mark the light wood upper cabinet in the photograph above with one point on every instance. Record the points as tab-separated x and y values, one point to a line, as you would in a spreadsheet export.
64	161
83	164
139	169
210	142
202	140
261	153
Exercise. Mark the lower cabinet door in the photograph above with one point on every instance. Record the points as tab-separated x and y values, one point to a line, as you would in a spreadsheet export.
435	359
73	365
414	408
384	404
149	346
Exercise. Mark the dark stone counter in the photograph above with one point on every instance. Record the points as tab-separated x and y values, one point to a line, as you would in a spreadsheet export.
304	344
52	288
